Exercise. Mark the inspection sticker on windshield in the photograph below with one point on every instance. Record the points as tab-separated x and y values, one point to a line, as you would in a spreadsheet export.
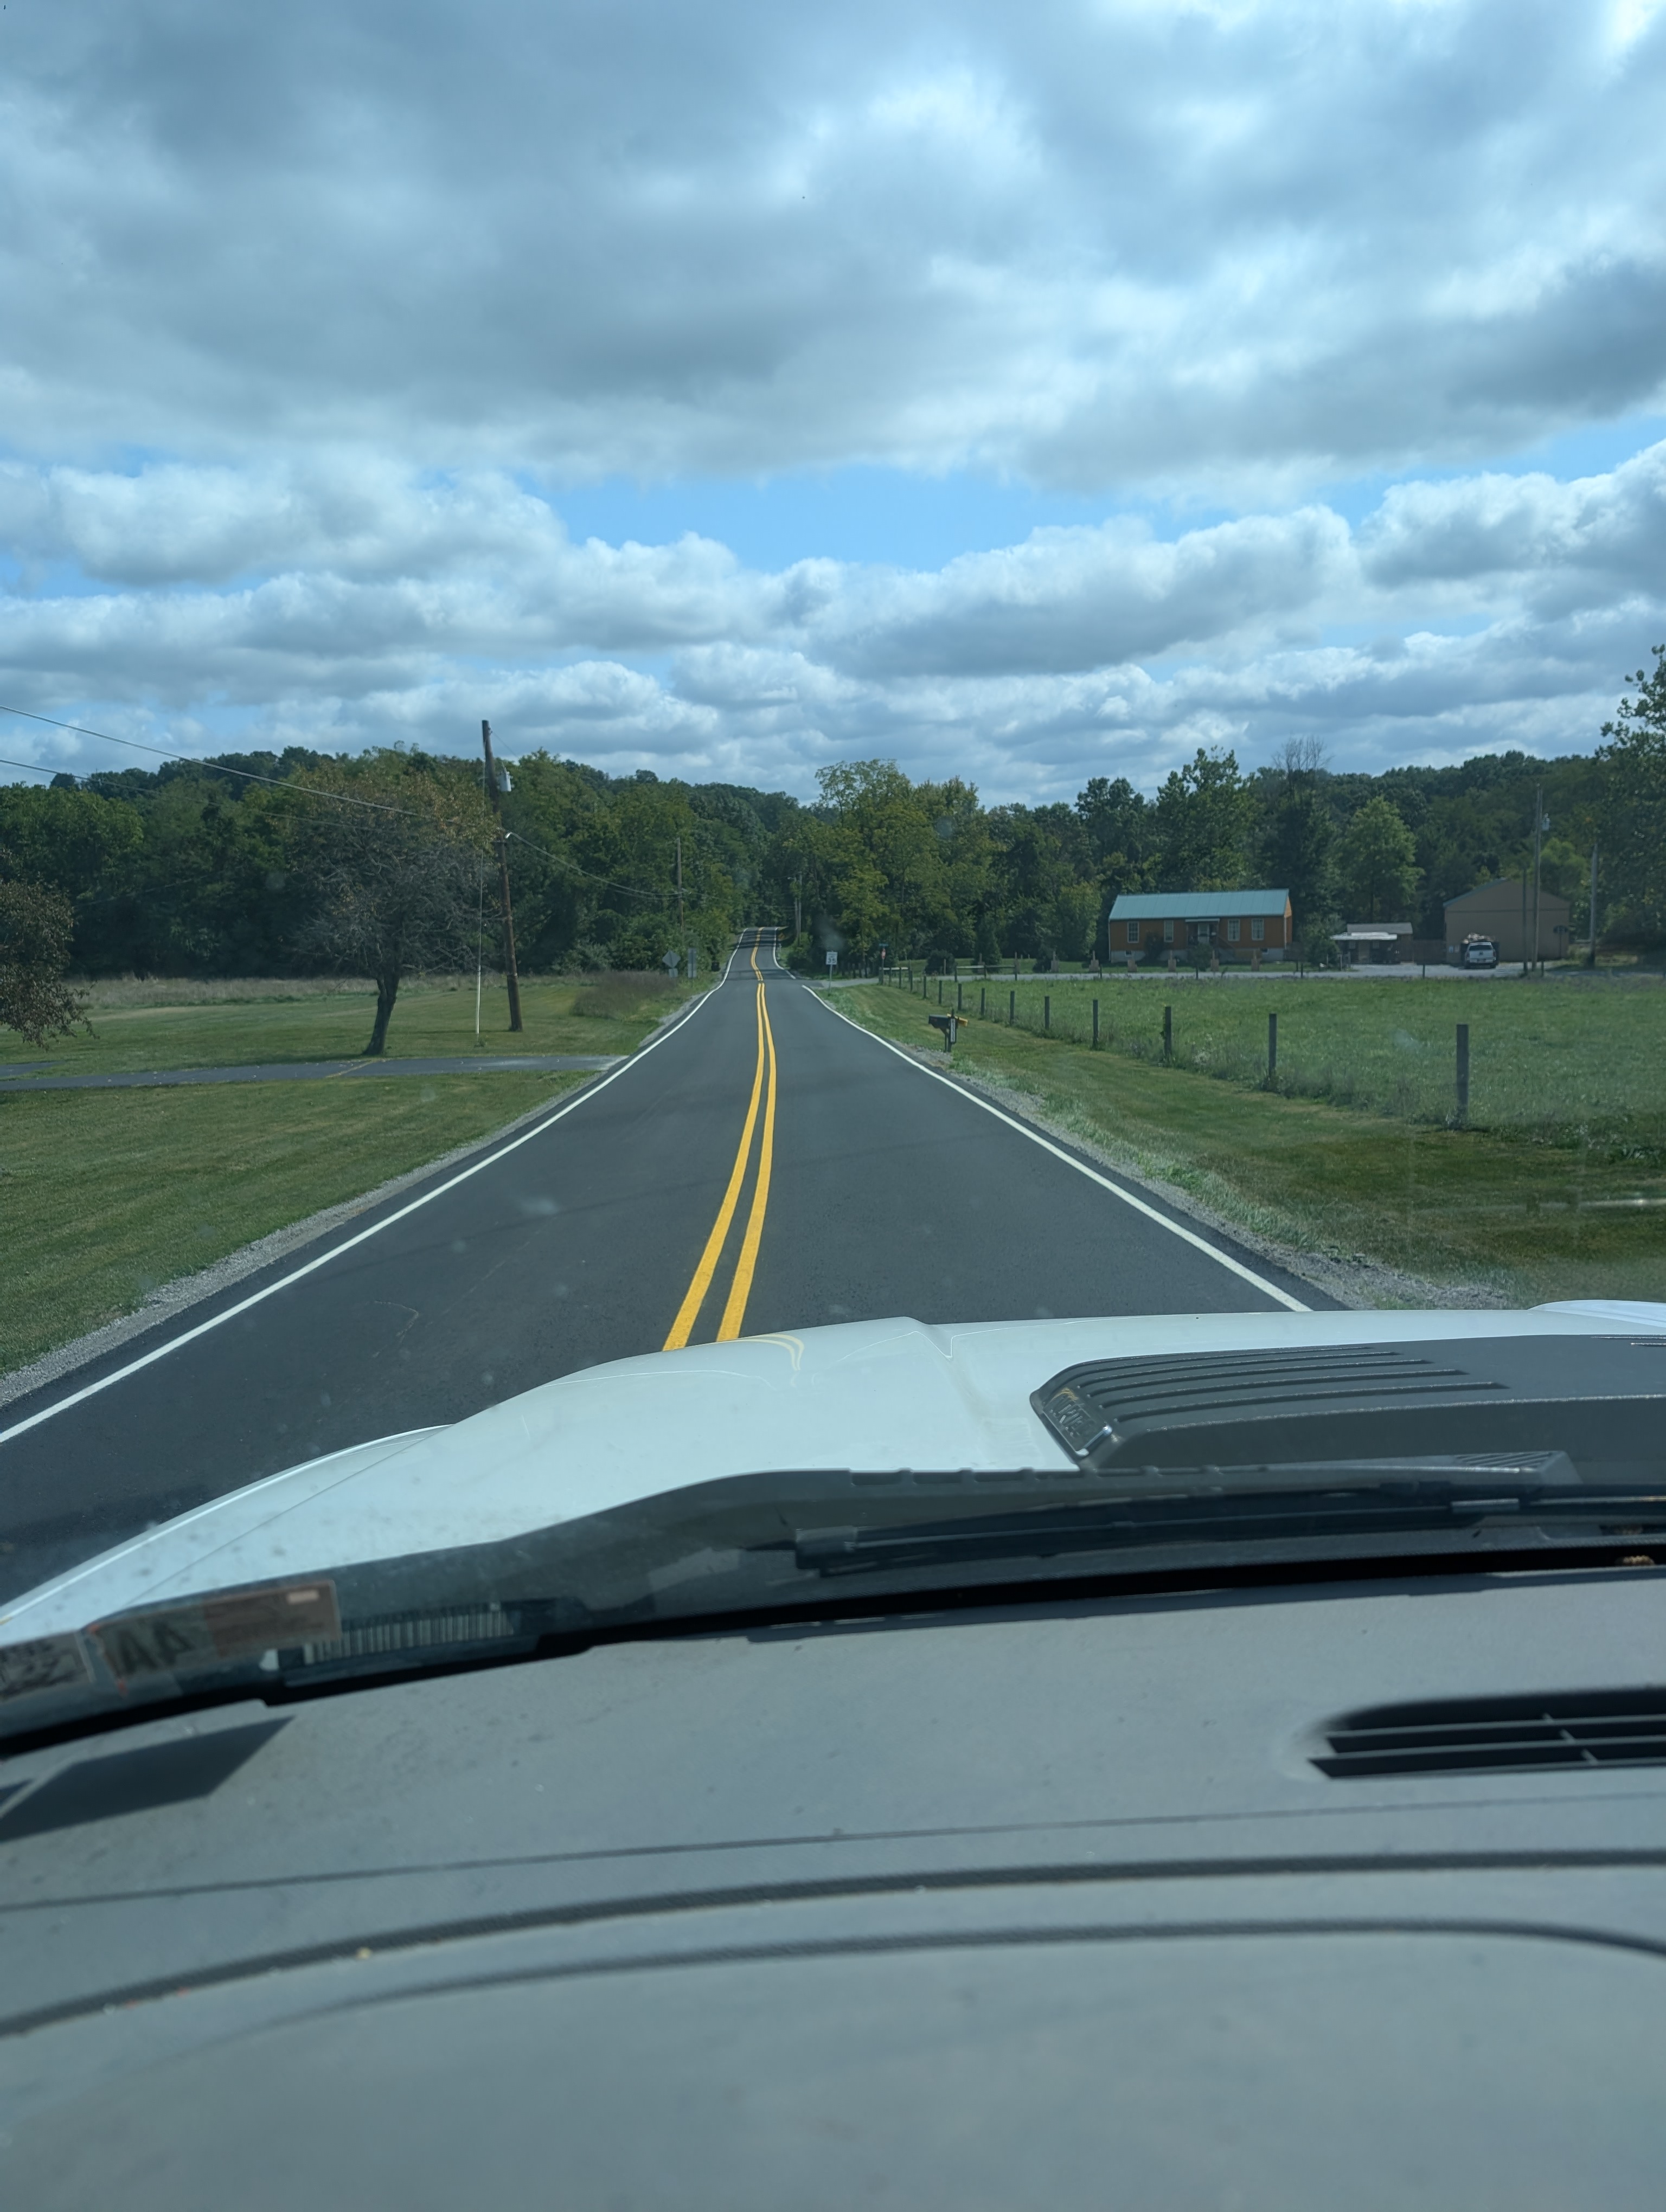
177	1638
45	1662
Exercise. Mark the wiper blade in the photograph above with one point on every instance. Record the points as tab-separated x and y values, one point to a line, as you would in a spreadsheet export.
745	1543
1231	1506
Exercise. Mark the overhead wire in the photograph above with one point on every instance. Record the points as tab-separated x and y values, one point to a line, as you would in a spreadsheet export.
188	760
631	890
287	783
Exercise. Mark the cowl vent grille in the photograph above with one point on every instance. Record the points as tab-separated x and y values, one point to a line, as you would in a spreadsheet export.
1597	1728
1601	1400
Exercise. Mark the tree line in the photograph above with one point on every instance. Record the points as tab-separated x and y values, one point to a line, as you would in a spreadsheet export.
384	864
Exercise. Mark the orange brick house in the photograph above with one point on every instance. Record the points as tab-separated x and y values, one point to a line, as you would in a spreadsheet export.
1237	924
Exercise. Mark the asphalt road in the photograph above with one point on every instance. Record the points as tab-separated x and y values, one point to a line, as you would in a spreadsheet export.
762	1164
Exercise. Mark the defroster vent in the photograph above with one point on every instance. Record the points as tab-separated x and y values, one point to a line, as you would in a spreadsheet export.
1474	1735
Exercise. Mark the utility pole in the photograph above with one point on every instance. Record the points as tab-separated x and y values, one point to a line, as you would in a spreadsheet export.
502	877
1525	971
1538	842
1591	957
682	929
479	946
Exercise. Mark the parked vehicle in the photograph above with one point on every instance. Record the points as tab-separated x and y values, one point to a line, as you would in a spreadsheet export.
1480	952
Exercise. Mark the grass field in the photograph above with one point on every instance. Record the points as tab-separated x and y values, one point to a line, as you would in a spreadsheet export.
1571	1062
144	1026
1490	1207
105	1196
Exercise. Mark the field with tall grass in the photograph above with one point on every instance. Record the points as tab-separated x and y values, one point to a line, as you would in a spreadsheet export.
1564	1061
1555	1190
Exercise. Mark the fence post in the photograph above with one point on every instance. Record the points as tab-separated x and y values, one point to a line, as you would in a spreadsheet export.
1047	1014
1012	1008
939	990
1463	1074
960	996
1272	1047
1168	1033
1095	1025
982	995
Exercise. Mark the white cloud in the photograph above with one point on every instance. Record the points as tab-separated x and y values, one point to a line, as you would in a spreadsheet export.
1462	614
1095	244
307	310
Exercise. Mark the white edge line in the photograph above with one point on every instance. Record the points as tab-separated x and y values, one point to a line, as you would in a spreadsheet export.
296	1274
1186	1235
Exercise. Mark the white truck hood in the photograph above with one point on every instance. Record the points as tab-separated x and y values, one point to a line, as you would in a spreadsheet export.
869	1395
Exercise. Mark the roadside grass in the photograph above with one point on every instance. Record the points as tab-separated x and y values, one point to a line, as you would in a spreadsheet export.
278	1020
1568	1061
1487	1209
105	1196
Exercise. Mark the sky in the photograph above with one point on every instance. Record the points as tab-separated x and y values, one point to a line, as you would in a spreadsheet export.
1020	392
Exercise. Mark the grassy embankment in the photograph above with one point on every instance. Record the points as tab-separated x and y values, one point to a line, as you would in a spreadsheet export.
1556	1190
106	1194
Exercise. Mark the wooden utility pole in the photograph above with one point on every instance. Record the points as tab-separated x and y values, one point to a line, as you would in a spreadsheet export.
1538	847
502	877
1591	957
682	930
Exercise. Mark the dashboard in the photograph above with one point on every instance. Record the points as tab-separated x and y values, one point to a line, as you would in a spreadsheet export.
1348	1892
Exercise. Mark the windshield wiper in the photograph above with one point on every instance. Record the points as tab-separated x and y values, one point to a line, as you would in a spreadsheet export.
759	1544
1247	1506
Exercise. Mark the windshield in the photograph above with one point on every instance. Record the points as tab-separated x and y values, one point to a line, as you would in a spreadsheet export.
792	812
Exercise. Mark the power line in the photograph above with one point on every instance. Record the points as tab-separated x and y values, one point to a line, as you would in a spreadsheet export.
188	760
285	783
631	890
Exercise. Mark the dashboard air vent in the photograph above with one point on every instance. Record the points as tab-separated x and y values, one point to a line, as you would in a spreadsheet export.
1596	1728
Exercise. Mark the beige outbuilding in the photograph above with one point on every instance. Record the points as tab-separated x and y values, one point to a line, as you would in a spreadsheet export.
1503	910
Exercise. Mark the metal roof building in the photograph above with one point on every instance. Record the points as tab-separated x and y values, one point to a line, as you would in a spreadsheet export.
1245	924
1196	906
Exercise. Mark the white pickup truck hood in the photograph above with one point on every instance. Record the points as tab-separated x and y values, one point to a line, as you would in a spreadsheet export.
868	1396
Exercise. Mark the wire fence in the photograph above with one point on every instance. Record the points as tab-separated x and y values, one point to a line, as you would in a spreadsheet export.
1562	1062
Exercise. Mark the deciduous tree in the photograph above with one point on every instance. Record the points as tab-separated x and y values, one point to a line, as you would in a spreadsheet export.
1202	818
1378	863
1299	838
1634	808
35	926
391	860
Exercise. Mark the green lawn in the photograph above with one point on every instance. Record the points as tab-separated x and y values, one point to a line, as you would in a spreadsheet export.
605	1014
1567	1060
1527	1219
108	1194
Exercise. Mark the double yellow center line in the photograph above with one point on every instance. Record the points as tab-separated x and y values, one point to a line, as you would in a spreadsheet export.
735	1308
